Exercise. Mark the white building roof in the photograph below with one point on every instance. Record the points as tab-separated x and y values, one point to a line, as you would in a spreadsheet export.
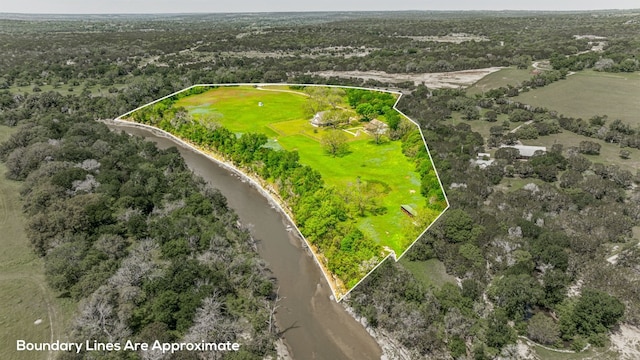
527	150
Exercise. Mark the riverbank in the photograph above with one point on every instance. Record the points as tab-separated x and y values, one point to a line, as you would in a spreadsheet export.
337	287
312	325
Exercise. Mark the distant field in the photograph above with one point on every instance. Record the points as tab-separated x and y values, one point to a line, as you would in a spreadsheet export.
283	119
609	153
24	296
504	77
589	93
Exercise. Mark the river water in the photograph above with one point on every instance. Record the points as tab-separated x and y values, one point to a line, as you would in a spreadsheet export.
315	327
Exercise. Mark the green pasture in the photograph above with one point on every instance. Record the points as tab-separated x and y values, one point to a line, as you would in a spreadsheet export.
24	295
589	93
504	77
383	163
237	109
282	118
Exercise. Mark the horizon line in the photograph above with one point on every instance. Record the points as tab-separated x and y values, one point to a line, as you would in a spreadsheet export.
320	11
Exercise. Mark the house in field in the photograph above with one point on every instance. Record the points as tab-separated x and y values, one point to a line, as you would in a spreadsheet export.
408	210
376	127
321	119
527	151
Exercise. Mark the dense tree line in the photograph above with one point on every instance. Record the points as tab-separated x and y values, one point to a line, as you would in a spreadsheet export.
128	228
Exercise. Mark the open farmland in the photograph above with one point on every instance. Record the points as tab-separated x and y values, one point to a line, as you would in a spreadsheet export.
589	93
504	77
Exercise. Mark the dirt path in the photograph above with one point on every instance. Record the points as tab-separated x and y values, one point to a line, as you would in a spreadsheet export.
519	126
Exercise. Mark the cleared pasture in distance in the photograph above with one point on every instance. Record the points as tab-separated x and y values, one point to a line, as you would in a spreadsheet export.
609	153
589	93
504	77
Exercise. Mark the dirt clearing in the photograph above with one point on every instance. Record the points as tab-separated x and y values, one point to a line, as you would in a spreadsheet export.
453	79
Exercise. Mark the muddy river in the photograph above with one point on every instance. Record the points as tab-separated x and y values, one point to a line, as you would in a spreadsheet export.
314	326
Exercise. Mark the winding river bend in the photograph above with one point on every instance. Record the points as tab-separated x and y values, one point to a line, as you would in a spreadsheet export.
314	326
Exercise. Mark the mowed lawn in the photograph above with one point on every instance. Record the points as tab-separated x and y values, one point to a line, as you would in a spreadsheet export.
382	163
504	77
237	108
283	120
589	93
24	295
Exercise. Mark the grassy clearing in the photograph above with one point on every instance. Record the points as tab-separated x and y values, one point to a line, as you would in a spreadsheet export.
513	184
590	354
504	77
383	163
589	93
609	153
237	108
283	119
23	302
430	273
24	295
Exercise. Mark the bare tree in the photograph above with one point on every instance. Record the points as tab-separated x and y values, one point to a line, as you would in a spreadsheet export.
273	308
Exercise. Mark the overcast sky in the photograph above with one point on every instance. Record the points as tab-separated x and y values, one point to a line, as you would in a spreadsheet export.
210	6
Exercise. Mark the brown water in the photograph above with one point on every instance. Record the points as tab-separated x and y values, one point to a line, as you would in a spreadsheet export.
314	326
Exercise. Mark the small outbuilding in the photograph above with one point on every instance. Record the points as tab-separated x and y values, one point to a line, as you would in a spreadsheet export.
376	127
320	119
527	151
408	210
